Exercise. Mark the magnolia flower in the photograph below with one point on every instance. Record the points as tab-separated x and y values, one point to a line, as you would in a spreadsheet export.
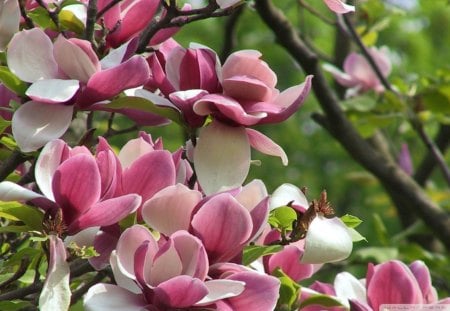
339	6
9	21
359	75
249	95
62	74
73	181
166	274
404	159
210	219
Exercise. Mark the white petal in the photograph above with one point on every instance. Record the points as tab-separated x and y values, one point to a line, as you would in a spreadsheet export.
56	294
53	90
108	297
10	191
287	193
349	287
9	21
221	157
85	237
30	56
122	279
327	240
34	124
48	161
221	289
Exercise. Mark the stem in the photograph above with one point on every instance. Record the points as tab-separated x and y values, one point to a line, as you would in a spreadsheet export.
90	20
23	13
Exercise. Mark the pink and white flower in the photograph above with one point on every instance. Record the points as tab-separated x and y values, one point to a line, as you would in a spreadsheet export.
339	6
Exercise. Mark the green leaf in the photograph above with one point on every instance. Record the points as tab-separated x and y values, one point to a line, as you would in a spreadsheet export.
41	17
8	142
12	82
321	300
361	103
436	101
351	221
69	21
377	254
356	236
253	252
380	230
14	229
4	124
289	291
15	305
30	216
142	104
282	217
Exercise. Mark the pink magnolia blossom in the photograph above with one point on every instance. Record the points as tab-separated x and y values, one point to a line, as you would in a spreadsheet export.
358	74
404	159
168	274
210	218
63	74
9	21
249	95
339	6
71	180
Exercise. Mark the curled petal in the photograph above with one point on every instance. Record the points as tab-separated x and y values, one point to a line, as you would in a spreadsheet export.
180	292
349	287
289	261
34	124
287	193
422	275
108	297
10	191
265	145
221	289
53	90
221	157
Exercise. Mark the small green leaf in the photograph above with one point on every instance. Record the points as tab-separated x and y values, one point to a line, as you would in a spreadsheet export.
377	254
436	101
351	221
30	216
356	236
84	252
289	291
41	17
4	124
253	252
8	142
69	21
282	217
142	104
359	103
12	82
321	300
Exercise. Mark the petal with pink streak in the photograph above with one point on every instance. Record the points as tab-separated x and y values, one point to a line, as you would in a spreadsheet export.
422	275
359	68
222	105
289	261
108	83
51	156
264	144
287	193
10	191
30	56
261	292
192	254
246	88
251	194
9	21
132	150
34	124
349	287
223	225
76	185
108	297
393	283
129	242
327	240
288	102
178	201
342	78
106	213
221	289
55	294
73	59
104	243
221	157
180	292
338	6
149	174
122	279
53	90
110	172
166	264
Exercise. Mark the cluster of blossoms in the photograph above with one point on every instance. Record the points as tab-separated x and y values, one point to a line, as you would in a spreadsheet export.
192	214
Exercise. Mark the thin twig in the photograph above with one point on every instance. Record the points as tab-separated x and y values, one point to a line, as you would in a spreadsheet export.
316	13
24	15
90	21
53	14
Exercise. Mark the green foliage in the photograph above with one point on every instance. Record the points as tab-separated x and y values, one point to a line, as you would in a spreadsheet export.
289	291
253	252
12	82
282	217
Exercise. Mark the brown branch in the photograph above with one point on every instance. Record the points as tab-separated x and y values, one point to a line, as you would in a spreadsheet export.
404	191
90	21
24	15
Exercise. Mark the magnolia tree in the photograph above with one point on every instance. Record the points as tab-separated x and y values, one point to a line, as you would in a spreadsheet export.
94	225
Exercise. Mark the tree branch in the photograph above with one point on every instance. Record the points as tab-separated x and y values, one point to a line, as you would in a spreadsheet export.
405	193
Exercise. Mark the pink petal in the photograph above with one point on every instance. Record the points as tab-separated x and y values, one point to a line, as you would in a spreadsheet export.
132	150
393	283
221	289
198	70
261	292
222	243
180	292
178	201
34	124
342	78
53	90
30	56
104	243
9	21
246	88
265	145
110	172
289	261
338	6
108	83
51	156
192	254
166	264
221	157
288	102
107	212
216	104
149	174
422	275
55	294
108	297
129	242
76	58
252	194
360	70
